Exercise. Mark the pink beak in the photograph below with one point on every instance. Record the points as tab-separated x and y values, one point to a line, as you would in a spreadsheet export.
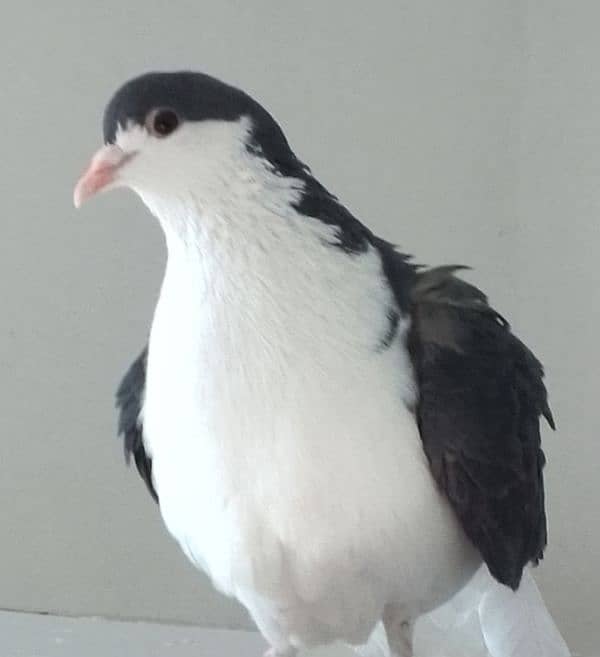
101	172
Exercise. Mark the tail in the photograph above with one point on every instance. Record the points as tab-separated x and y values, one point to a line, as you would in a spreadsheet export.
518	624
487	619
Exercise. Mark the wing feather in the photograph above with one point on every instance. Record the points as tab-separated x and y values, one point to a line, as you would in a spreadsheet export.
130	399
481	396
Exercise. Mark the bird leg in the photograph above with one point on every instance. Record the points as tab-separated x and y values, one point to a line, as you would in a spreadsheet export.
399	630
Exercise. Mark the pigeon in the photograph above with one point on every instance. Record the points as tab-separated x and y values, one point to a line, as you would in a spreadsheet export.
341	439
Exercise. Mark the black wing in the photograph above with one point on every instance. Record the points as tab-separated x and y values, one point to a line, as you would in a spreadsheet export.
480	400
130	397
481	396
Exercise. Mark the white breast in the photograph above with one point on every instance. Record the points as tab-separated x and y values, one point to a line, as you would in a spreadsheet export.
287	464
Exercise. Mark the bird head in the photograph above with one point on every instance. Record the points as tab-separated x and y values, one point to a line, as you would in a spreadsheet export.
168	133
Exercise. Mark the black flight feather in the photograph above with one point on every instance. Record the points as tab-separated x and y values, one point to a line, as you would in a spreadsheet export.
130	398
480	399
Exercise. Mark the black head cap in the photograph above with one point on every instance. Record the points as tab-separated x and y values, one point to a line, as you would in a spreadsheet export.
195	97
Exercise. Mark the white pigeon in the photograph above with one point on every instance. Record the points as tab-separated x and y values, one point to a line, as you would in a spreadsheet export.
337	437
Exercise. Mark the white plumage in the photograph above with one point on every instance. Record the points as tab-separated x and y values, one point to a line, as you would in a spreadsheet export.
314	528
313	451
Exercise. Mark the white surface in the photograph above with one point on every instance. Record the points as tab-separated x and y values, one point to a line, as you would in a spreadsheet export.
33	635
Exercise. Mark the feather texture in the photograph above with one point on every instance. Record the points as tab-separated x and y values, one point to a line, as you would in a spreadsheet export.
130	398
327	424
480	398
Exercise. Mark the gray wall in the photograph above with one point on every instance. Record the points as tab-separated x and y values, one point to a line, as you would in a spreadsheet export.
466	131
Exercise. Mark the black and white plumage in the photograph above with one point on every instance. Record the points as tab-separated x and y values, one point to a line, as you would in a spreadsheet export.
336	436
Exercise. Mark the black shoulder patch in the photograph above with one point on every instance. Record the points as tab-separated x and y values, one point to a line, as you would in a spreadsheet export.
317	202
130	398
481	396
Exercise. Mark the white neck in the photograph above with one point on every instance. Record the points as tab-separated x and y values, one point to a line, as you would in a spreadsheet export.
253	265
244	265
239	241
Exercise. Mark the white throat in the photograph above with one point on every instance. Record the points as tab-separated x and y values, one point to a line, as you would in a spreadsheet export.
255	294
239	251
211	187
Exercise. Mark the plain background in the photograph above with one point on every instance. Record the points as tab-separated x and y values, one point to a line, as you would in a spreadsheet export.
466	131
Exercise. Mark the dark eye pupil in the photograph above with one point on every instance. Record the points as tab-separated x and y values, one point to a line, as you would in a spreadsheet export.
165	122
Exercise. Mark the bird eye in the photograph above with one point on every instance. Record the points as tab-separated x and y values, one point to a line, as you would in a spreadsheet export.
162	122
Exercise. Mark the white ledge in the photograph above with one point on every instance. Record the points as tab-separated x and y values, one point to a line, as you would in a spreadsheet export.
40	635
